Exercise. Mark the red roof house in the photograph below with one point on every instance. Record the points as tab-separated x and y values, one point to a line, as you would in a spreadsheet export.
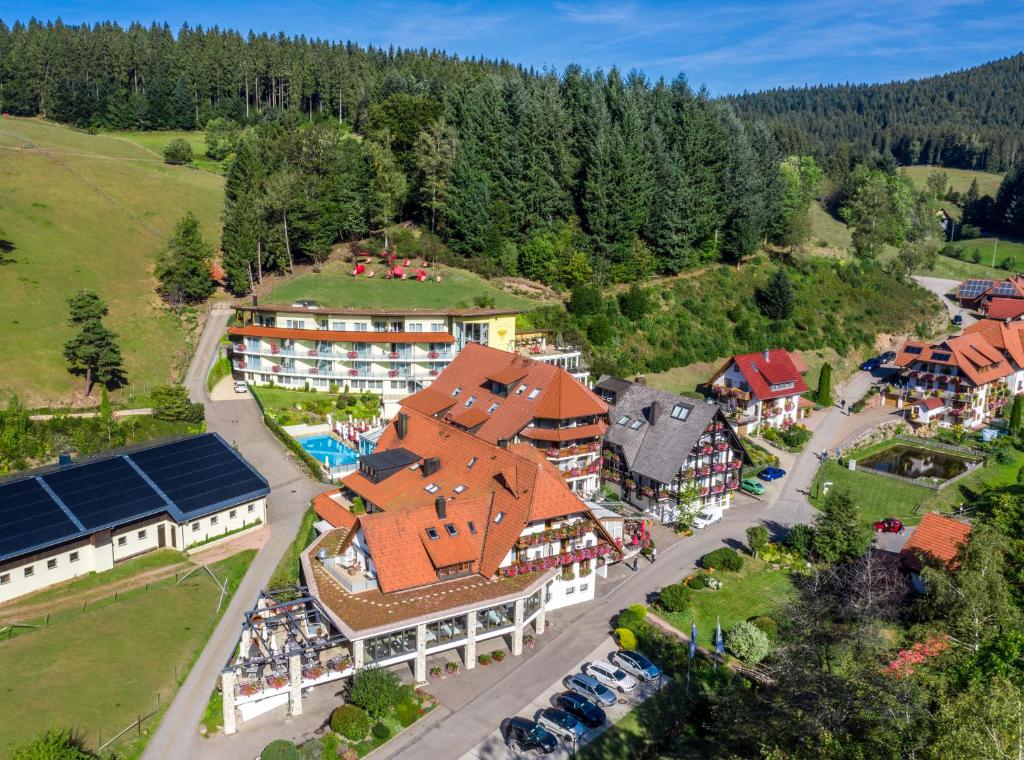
936	539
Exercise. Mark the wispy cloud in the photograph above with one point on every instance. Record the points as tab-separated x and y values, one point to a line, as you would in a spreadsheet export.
613	14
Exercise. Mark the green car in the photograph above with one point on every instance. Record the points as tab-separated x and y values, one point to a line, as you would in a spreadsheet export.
751	486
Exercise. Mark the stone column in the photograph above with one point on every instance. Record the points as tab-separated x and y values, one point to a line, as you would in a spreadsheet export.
295	685
357	654
227	687
538	622
421	654
517	633
470	640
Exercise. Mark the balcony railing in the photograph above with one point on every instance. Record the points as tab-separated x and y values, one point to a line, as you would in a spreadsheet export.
563	559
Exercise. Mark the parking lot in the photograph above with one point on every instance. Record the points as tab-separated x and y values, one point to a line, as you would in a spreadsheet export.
494	748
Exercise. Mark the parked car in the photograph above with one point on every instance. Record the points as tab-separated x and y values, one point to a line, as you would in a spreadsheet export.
771	473
889	525
560	723
240	386
958	319
611	676
582	708
887	357
636	664
871	364
704	519
587	686
751	486
524	735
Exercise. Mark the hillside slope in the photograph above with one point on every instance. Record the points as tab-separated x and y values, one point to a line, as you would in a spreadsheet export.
86	211
968	119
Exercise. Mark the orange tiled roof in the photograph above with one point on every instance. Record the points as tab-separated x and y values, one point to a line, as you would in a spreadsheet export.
566	434
429	401
1005	308
978	360
468	418
558	394
328	509
347	336
501	492
1003	336
937	537
931	404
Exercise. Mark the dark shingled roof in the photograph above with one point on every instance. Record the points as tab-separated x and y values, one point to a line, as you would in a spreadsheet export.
659	447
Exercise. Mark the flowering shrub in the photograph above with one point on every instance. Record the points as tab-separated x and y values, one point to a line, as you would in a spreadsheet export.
529	641
919	653
451	668
435	671
314	672
499	656
276	682
248	689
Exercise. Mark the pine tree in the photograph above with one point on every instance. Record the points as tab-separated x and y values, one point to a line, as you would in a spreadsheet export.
776	298
93	352
184	266
435	157
387	186
839	533
1017	415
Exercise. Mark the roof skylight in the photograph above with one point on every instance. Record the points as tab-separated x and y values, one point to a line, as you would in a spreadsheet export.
432	534
450	527
623	420
491	409
680	412
470	400
431	488
457	391
499	517
459	488
534	393
471	463
520	389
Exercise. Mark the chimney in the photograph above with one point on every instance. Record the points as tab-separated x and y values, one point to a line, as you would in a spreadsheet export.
439	506
64	459
654	412
401	425
641	380
767	355
430	466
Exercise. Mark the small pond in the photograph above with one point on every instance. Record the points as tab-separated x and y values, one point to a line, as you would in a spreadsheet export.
912	462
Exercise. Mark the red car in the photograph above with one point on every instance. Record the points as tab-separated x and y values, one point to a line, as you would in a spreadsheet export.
889	525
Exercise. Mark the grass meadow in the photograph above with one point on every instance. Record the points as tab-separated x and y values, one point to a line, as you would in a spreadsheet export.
155	142
88	211
335	286
96	672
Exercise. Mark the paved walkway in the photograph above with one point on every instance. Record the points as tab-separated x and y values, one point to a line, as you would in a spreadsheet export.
240	423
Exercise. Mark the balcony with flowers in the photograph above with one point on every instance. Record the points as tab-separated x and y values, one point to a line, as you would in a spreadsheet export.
725	393
563	560
565	532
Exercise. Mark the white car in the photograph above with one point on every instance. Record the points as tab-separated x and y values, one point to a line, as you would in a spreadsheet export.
611	676
704	519
241	387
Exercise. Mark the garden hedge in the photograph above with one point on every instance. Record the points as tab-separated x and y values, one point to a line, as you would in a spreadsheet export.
351	722
723	559
280	749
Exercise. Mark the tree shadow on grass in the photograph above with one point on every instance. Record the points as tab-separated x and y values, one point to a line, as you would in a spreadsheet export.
6	247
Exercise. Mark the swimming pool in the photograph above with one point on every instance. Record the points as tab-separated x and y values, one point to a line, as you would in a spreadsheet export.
328	450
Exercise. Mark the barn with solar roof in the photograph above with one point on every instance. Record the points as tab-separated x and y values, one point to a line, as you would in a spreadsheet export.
61	522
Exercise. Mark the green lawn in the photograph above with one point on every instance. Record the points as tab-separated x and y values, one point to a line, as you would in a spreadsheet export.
754	590
88	211
827	232
157	141
278	399
879	496
98	671
1003	249
336	287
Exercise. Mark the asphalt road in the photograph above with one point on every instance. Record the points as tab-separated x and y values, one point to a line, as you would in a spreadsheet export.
240	423
941	287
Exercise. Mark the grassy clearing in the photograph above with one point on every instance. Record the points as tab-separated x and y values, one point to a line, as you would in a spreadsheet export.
755	590
88	211
336	287
277	400
98	672
879	496
1008	255
155	142
828	234
959	179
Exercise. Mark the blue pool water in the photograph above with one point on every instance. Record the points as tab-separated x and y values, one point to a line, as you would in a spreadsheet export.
328	450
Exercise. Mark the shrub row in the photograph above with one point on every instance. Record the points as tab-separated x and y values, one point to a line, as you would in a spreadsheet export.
314	467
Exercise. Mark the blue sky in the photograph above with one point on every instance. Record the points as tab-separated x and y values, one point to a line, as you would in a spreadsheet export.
728	46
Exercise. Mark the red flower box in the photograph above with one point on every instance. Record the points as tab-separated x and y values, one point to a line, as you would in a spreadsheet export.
392	373
392	354
311	352
432	355
352	355
353	372
433	373
276	368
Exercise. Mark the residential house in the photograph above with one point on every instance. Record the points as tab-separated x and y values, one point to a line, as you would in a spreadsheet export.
668	454
504	398
979	293
937	541
761	389
63	522
966	373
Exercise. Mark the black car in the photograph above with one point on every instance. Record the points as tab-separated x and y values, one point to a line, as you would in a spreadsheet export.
524	735
958	319
591	715
887	357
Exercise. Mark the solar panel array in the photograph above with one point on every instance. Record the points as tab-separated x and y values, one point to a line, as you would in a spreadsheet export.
198	473
912	349
974	288
1005	288
30	517
940	357
185	479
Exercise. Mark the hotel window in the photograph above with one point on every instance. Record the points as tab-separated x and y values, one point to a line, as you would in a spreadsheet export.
295	324
232	514
380	326
453	571
532	604
213	520
5	579
415	327
496	617
252	508
122	540
443	631
584	587
73	556
51	564
30	571
195	527
438	327
142	535
339	326
571	590
390	645
359	326
476	332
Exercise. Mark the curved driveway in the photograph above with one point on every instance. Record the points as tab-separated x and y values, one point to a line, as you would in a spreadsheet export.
240	423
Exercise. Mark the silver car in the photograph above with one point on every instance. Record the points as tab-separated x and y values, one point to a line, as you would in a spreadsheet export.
611	676
561	724
589	687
